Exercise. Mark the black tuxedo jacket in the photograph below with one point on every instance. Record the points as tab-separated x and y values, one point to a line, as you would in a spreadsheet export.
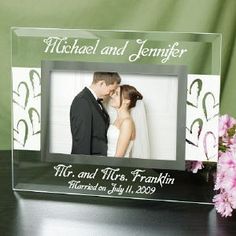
89	124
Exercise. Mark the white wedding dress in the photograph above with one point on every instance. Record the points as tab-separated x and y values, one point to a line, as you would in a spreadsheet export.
112	138
138	148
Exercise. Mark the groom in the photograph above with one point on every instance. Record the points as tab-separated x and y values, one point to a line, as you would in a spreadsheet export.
89	120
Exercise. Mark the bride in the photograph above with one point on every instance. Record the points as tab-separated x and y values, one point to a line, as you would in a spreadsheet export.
128	136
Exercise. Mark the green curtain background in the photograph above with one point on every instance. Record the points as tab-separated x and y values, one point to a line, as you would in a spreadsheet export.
216	16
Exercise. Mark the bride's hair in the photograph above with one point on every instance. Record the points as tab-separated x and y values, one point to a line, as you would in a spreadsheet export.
131	93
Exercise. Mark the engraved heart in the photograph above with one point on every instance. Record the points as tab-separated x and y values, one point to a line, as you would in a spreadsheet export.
209	144
192	136
194	92
21	132
35	80
21	96
209	106
34	120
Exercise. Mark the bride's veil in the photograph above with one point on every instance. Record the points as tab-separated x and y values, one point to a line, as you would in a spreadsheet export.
141	146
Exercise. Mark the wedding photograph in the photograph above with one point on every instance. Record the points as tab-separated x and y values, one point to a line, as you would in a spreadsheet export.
113	114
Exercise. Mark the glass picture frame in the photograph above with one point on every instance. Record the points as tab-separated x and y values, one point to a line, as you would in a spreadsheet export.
179	76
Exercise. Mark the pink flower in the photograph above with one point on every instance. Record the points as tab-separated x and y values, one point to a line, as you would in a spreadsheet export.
229	182
225	201
232	141
232	144
229	142
226	122
220	180
194	166
226	180
227	161
222	204
232	198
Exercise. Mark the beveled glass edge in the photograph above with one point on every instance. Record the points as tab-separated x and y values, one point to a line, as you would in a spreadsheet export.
25	188
39	32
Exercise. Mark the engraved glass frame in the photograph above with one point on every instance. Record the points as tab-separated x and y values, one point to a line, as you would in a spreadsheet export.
36	169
